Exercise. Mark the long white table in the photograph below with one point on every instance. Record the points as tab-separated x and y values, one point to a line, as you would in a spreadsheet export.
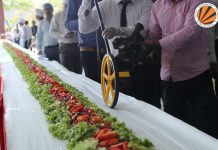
26	126
146	121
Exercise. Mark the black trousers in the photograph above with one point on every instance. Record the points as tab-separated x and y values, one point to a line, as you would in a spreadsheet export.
29	43
90	65
26	44
146	84
17	41
52	52
70	57
193	101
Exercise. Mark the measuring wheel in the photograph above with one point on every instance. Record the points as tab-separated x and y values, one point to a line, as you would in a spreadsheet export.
109	80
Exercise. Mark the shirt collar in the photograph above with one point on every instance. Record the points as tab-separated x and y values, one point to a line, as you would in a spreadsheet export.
118	1
170	2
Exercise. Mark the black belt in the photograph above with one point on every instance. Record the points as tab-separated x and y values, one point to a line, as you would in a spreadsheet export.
198	80
51	46
68	43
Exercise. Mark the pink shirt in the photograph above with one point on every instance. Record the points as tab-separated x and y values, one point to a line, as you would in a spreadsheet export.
183	41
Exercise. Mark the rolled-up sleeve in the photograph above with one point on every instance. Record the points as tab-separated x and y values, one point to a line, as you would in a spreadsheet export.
54	28
190	30
155	32
90	23
39	37
71	21
144	19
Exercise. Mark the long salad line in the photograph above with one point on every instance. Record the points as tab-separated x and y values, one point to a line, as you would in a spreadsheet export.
70	114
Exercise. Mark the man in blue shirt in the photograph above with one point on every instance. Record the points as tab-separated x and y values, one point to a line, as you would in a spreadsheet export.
87	42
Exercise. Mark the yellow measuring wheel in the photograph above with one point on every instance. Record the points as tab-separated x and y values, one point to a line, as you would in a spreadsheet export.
109	80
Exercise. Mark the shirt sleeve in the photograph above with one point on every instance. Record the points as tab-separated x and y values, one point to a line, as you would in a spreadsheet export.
30	33
54	28
190	30
22	33
144	19
71	21
154	30
90	23
39	37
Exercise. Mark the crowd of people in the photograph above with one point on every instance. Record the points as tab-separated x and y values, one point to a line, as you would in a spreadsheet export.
188	53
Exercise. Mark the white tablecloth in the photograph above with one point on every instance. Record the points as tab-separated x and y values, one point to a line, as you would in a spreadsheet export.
26	126
163	130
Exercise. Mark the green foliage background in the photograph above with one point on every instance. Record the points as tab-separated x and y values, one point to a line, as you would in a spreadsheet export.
24	8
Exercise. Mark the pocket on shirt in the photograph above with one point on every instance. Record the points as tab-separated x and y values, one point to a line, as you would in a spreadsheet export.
180	20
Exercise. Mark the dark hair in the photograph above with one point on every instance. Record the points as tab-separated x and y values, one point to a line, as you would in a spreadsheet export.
26	22
48	5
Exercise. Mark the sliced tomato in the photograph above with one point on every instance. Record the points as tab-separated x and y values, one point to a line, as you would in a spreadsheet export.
77	109
105	125
83	118
109	142
120	145
108	135
97	119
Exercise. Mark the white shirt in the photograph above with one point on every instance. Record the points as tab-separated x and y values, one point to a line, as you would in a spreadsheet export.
136	12
15	33
43	37
58	29
23	35
29	32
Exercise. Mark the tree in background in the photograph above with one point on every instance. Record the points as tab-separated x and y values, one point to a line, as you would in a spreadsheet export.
15	9
19	5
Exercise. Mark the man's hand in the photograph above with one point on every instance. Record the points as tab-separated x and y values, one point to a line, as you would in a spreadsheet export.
69	35
111	32
153	44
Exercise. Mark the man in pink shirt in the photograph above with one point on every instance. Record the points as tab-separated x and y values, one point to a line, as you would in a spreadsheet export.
185	72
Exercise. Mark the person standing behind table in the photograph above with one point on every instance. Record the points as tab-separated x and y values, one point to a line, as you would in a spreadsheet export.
185	67
68	42
15	32
34	28
39	14
34	31
29	34
23	34
120	18
46	44
87	42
